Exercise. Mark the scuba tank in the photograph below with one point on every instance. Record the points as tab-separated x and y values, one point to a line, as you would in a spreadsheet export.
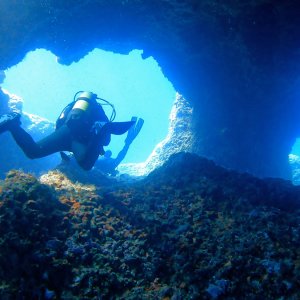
83	102
83	107
86	99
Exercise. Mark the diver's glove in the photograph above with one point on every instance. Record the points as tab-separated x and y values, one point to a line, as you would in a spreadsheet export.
100	130
97	127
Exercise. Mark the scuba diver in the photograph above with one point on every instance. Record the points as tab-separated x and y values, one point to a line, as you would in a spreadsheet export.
82	128
106	163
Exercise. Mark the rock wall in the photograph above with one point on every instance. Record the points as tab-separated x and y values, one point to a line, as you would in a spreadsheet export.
11	156
236	62
178	139
295	165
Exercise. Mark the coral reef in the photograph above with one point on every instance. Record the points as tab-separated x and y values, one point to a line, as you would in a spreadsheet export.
189	230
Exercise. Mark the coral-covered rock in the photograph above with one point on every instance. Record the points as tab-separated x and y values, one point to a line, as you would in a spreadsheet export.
30	217
189	230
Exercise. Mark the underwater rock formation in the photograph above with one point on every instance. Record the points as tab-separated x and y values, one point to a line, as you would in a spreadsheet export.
11	155
190	230
178	139
295	165
234	61
4	99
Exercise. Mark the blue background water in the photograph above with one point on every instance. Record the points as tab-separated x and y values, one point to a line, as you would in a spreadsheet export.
296	148
136	86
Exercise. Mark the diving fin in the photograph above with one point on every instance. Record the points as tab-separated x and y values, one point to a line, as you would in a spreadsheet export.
138	126
134	131
134	119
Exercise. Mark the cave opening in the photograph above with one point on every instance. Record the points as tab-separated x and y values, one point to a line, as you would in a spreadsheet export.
294	160
136	87
296	148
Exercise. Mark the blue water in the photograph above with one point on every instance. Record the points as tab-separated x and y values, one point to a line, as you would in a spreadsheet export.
136	86
296	147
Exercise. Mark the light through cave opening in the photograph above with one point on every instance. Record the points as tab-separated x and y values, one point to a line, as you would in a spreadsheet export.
294	160
136	87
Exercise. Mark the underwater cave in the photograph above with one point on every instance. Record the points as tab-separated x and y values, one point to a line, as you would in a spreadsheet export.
219	222
136	87
236	83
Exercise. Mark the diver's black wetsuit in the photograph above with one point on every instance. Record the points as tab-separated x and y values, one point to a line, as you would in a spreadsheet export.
74	135
61	140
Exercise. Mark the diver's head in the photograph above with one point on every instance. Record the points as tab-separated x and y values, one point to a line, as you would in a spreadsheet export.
107	154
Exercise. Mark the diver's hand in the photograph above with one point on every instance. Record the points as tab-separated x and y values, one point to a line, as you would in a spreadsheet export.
97	127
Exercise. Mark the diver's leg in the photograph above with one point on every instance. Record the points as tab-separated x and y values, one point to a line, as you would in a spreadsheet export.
87	154
59	140
7	121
